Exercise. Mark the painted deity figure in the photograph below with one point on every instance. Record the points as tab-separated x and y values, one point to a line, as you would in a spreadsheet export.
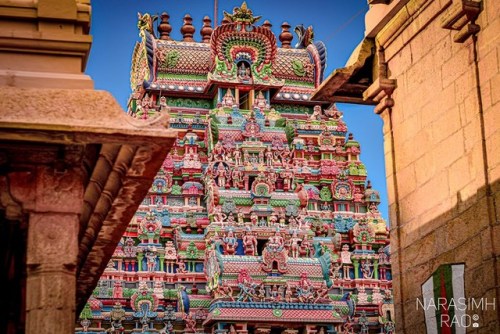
261	102
237	157
306	246
190	323
218	152
237	177
273	220
287	176
254	219
219	216
230	243
389	327
168	329
151	259
117	315
181	267
276	242
345	256
295	245
261	292
224	290
117	289
366	269
282	219
247	287
250	243
322	293
335	270
228	99
269	157
305	289
316	115
382	256
241	218
288	293
221	175
363	323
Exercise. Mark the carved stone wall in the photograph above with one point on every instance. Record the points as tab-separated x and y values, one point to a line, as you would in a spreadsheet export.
442	139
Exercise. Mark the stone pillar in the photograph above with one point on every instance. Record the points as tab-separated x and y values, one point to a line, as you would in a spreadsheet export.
162	262
356	268
140	256
375	269
54	205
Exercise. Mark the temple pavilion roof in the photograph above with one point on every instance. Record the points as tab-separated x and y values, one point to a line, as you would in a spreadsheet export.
192	69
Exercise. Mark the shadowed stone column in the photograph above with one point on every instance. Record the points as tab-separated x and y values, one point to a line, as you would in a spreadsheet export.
53	200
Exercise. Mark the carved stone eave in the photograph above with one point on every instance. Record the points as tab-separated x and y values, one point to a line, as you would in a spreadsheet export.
460	16
347	84
119	157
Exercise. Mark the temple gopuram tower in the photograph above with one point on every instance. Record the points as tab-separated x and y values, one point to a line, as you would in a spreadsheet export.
261	219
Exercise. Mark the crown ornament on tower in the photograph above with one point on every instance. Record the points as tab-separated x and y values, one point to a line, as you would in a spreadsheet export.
242	14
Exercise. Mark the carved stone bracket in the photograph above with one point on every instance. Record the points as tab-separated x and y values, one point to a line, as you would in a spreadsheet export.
461	16
381	90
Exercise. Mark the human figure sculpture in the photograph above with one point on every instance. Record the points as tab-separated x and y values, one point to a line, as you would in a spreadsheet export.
237	157
219	216
221	175
190	323
322	293
273	220
237	178
305	289
363	323
335	270
269	157
246	285
151	260
250	243
305	246
230	243
276	242
288	293
254	219
223	290
294	245
181	267
345	256
117	290
316	115
366	269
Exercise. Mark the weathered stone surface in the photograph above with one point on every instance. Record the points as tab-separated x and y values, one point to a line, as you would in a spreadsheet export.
448	140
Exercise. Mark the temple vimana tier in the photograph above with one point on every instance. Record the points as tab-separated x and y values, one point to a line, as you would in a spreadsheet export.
261	219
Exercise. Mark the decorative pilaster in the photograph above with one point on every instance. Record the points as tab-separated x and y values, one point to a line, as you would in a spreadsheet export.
375	269
54	201
355	263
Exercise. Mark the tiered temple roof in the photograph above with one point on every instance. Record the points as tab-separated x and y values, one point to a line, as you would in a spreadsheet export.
261	219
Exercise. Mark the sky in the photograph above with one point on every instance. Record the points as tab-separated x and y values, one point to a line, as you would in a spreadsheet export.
338	23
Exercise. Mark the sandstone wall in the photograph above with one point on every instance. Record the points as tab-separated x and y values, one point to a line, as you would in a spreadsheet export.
443	155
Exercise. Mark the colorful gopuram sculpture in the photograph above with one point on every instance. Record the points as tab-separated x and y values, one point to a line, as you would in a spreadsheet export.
261	219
